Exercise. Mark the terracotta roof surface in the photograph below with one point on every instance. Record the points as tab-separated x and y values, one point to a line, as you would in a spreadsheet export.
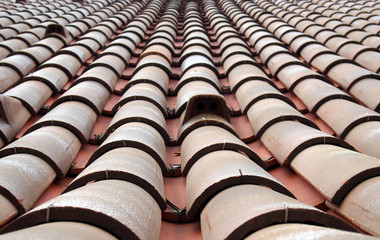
177	119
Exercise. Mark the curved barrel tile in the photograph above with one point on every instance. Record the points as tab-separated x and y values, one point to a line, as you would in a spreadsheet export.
137	33
97	37
200	73
253	91
292	75
101	74
112	62
196	61
347	75
78	51
167	28
193	23
102	29
262	40
314	93
38	53
240	210
369	58
260	37
154	60
92	93
59	230
277	63
201	43
361	206
67	63
52	42
146	92
20	63
235	49
51	76
138	135
189	49
153	75
222	169
129	164
270	50
10	46
33	35
236	60
206	139
8	210
202	120
298	44
269	111
55	145
365	137
23	179
164	36
342	115
72	115
13	115
333	170
140	111
227	36
158	49
289	231
33	94
126	43
9	77
285	144
88	43
116	206
365	91
140	24
194	29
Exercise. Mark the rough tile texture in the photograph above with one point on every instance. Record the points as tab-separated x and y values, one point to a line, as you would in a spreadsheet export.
161	115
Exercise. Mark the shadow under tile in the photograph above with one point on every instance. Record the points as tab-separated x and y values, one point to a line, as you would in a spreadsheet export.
173	127
297	102
320	123
175	190
82	158
27	125
171	102
99	129
55	189
260	149
110	104
120	85
331	212
301	189
175	231
231	101
243	128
